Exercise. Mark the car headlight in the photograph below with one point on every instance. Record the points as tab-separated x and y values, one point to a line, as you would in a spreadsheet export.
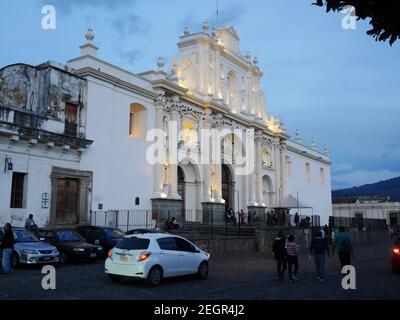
29	251
99	249
78	249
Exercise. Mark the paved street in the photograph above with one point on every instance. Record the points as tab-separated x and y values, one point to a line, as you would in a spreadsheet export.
234	276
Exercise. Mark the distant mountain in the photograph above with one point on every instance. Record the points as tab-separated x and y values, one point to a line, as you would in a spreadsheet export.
389	188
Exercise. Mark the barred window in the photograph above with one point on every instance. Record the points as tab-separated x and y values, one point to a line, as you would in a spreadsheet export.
18	190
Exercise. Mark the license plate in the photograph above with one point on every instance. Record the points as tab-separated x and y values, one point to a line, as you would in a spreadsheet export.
126	258
47	258
93	255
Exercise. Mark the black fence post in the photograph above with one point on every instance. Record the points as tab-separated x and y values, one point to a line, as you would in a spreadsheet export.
147	218
116	218
127	220
105	218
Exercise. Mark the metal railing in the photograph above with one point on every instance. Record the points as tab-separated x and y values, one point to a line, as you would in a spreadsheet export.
185	221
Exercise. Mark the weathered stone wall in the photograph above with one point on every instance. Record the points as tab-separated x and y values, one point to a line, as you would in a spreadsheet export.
43	90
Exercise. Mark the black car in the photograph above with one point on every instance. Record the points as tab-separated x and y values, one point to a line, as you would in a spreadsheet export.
396	256
103	236
71	245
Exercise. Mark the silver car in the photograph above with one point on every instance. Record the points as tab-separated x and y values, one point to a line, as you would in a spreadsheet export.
29	250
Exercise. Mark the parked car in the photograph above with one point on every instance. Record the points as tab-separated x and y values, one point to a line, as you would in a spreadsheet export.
154	256
396	256
141	231
29	250
105	237
71	245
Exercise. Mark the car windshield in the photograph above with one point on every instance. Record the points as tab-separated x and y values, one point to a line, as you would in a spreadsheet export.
67	236
113	233
25	236
133	244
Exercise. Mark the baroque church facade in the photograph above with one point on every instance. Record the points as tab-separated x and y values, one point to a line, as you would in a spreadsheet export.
77	137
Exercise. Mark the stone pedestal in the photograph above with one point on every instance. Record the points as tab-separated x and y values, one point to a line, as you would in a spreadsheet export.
213	211
165	209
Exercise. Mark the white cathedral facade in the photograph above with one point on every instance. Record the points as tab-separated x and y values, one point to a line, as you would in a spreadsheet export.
78	139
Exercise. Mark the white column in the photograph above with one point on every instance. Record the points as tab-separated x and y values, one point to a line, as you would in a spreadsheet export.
173	157
158	178
277	168
283	170
252	182
206	161
258	160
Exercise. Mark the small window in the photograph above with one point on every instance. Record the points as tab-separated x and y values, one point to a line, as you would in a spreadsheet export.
167	244
183	245
71	120
133	244
18	190
308	171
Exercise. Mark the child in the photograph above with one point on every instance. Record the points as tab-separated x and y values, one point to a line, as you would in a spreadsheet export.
292	250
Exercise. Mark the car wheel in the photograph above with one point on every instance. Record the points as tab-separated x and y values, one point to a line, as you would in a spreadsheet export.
114	278
154	277
14	260
202	273
63	257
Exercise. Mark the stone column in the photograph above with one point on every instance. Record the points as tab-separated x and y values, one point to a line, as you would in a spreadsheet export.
158	168
173	156
252	199
277	168
283	169
206	160
258	166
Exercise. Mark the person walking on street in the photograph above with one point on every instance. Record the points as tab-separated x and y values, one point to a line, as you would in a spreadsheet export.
292	250
344	247
279	252
7	245
318	248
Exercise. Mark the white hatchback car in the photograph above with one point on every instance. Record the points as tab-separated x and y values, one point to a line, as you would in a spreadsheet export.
154	256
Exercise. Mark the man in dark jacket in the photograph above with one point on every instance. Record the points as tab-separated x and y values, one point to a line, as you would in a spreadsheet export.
7	245
279	252
318	248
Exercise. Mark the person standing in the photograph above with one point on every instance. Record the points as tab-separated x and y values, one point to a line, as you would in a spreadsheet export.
241	217
296	219
344	247
292	250
279	252
319	247
7	245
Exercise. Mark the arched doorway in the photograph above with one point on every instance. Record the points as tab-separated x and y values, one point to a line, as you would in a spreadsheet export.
189	188
228	187
267	190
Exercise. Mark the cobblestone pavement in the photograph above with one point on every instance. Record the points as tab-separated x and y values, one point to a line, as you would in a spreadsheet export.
232	276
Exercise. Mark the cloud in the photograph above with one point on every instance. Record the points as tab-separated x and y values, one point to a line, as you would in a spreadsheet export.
130	24
67	6
360	177
130	55
229	14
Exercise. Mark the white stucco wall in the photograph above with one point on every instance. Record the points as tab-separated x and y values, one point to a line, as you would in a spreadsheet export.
37	164
311	192
120	170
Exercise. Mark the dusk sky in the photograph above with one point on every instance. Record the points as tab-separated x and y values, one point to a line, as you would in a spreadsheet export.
337	85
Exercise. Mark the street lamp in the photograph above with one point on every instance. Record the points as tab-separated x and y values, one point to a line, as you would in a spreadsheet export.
8	165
